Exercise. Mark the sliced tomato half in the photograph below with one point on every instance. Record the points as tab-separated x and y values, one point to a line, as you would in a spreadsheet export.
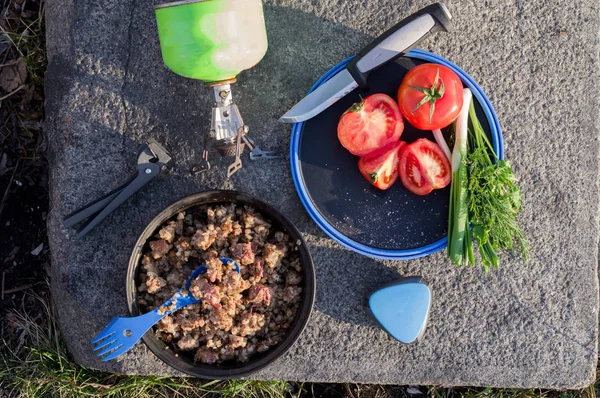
423	167
382	170
370	127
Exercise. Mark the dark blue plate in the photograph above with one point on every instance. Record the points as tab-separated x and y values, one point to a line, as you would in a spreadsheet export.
393	224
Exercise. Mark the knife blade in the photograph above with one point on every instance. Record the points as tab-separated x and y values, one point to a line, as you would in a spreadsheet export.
385	49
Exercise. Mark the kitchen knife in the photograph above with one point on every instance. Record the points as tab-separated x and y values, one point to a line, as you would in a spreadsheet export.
383	50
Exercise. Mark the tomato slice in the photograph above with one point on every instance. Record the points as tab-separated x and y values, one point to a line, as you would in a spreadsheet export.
382	170
423	167
370	127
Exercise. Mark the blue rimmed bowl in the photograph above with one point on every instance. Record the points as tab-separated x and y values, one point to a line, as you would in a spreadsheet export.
393	224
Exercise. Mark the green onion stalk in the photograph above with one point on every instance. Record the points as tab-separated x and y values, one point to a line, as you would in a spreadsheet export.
460	248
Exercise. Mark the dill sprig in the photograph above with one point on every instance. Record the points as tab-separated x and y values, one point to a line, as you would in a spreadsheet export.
494	199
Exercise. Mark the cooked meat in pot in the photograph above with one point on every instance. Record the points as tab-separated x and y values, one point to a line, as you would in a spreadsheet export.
241	314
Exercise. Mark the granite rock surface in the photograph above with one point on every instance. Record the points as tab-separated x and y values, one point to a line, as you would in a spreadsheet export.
531	324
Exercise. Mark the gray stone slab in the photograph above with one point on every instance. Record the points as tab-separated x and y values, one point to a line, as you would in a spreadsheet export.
526	325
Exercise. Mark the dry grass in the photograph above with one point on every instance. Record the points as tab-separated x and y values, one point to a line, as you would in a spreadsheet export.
22	67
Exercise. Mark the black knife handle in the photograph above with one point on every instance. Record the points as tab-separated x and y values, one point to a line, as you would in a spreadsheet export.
398	40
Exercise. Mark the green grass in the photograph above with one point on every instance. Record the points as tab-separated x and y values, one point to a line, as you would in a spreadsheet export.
35	363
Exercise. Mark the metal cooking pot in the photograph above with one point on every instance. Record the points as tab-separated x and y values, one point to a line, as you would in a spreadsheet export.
211	40
184	361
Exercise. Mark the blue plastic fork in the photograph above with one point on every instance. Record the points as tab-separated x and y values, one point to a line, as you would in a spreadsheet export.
123	333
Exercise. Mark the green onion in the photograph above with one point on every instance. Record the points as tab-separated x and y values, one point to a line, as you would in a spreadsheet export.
439	138
459	237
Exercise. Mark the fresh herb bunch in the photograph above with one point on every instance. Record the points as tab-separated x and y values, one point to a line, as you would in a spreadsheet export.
484	196
494	199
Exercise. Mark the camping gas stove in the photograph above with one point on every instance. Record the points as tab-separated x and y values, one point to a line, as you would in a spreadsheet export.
213	41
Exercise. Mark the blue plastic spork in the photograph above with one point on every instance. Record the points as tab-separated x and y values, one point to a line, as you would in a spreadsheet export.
122	333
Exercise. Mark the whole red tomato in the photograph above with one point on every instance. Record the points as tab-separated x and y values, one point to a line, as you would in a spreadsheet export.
430	96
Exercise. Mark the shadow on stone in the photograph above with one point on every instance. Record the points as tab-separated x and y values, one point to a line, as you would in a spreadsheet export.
107	91
344	288
116	106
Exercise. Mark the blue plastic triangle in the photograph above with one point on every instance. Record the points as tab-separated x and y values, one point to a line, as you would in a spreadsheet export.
402	308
